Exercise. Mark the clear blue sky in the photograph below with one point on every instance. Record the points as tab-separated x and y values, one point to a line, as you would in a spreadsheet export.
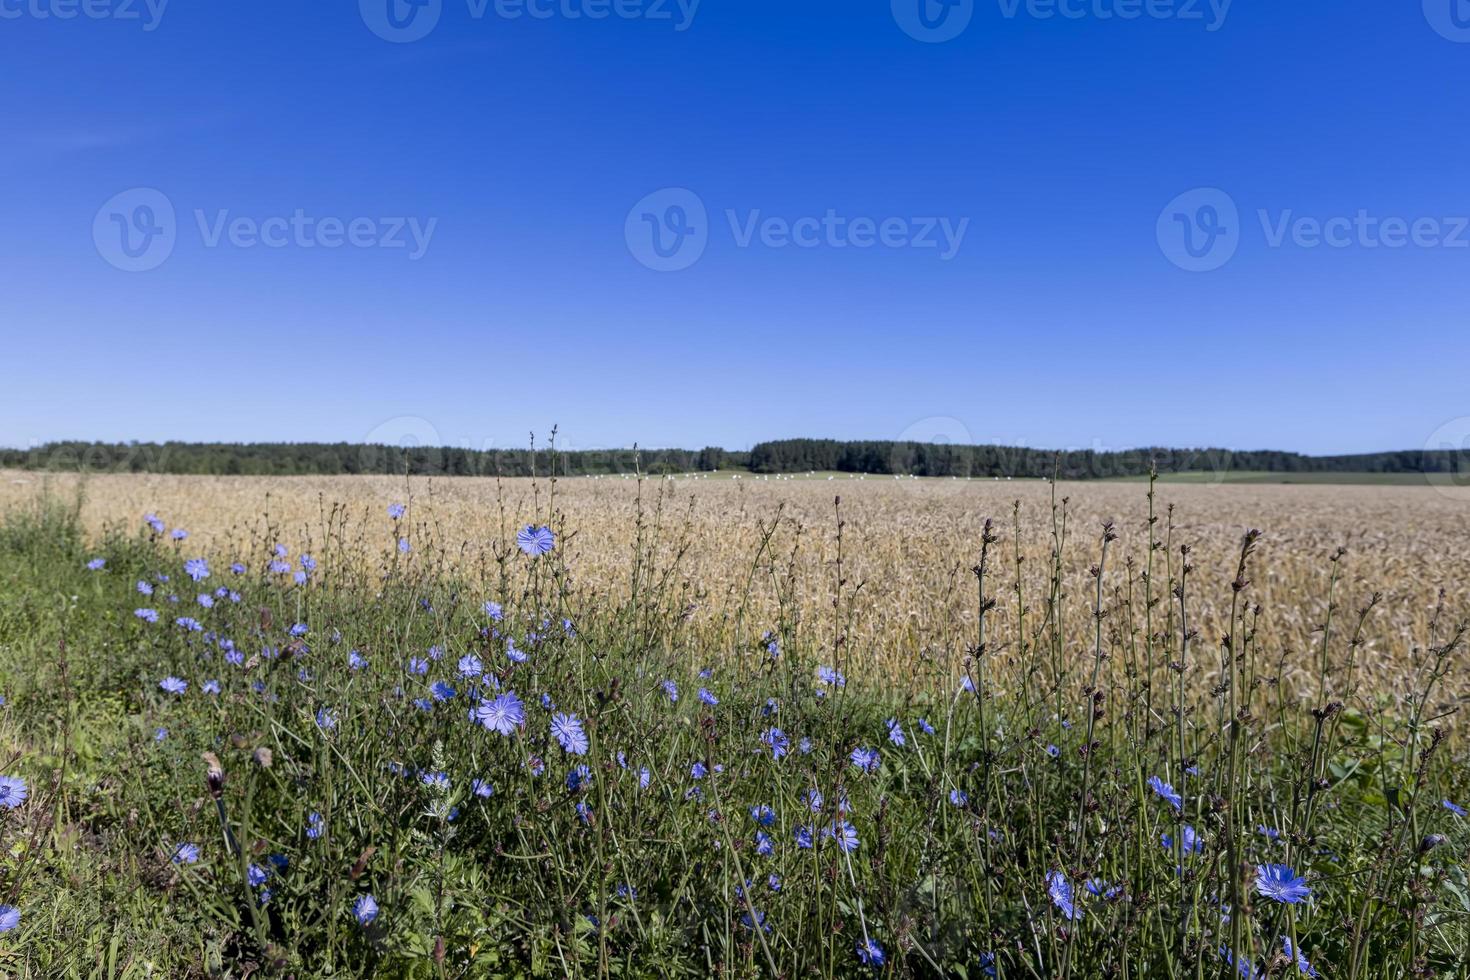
1062	320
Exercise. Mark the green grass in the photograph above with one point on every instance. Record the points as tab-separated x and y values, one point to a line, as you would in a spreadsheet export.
1034	775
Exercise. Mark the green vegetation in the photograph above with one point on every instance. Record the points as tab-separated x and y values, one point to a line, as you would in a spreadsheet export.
787	456
356	762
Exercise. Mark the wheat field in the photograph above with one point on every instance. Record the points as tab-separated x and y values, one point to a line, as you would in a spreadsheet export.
908	547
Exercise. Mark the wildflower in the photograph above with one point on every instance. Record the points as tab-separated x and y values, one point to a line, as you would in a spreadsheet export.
207	601
1294	953
895	733
482	788
1053	751
470	666
760	919
147	615
763	815
671	689
579	778
865	759
186	854
151	519
189	623
238	568
159	734
493	610
1190	841
210	687
365	909
567	730
828	675
644	777
434	780
1280	883
503	715
308	563
1454	808
179	534
97	564
278	567
326	719
813	799
9	918
778	742
1270	833
280	550
804	746
144	588
403	546
315	825
299	629
13	792
763	843
418	665
870	952
514	655
1242	964
395	511
707	697
1060	891
958	797
1167	792
197	569
803	837
1101	889
698	771
584	811
174	685
535	541
256	875
925	727
441	691
773	882
844	834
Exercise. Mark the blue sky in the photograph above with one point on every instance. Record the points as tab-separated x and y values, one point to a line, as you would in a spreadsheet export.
531	152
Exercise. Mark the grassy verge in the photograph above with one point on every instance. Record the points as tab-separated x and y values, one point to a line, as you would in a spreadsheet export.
352	762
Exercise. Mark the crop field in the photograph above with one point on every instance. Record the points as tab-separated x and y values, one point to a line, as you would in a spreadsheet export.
701	726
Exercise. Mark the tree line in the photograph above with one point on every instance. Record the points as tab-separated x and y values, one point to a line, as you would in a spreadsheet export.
781	456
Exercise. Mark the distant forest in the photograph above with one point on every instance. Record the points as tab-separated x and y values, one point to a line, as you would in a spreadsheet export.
784	456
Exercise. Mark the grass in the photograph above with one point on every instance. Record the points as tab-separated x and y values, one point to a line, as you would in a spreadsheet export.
967	781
